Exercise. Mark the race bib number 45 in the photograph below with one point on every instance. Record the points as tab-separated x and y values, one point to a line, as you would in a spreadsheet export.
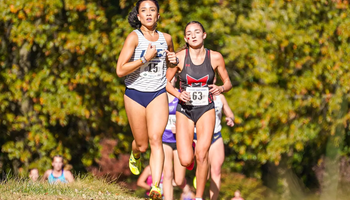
152	69
199	96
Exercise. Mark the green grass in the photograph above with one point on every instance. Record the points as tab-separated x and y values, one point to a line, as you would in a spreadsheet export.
83	188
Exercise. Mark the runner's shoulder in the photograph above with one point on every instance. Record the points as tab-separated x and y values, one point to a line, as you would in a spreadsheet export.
181	53
215	55
132	38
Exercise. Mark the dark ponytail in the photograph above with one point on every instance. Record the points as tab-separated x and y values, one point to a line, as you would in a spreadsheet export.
133	20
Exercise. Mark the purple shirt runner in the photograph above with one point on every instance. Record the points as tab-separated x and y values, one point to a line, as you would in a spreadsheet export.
168	135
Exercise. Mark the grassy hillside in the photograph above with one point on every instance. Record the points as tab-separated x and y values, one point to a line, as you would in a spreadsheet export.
82	188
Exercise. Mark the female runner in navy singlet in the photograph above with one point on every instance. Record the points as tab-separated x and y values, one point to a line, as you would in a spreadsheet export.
143	61
196	67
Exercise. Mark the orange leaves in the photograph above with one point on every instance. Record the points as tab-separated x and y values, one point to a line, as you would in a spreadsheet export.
269	37
41	100
37	139
91	15
342	4
298	65
13	9
242	150
343	29
75	5
87	113
81	7
72	86
292	115
21	15
93	12
272	57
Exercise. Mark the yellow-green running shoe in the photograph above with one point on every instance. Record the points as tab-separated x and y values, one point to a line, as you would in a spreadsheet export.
195	182
135	164
155	193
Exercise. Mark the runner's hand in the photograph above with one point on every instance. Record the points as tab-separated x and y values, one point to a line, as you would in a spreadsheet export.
184	96
173	129
230	122
151	52
172	57
215	90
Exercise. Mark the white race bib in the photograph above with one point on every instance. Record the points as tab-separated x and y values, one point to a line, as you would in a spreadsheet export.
199	96
171	122
152	69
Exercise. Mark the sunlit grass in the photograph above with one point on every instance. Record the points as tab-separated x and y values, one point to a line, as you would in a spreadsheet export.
83	188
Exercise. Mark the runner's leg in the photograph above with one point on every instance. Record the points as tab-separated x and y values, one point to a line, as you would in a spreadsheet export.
205	128
157	113
216	159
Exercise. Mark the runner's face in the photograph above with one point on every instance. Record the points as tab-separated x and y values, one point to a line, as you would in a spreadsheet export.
57	163
237	194
148	13
194	35
34	174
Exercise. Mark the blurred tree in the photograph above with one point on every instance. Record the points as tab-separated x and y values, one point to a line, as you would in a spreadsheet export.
58	90
289	62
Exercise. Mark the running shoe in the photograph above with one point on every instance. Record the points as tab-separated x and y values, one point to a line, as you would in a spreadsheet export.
134	164
155	193
190	167
195	182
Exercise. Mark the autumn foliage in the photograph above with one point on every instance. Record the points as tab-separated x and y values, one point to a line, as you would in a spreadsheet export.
288	62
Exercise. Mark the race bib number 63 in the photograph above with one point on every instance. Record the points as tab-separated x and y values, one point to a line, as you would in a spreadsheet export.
199	96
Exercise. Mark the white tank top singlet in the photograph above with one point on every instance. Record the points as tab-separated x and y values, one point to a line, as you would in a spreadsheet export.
218	113
150	77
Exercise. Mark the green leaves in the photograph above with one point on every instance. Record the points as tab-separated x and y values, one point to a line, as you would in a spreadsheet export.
288	61
58	83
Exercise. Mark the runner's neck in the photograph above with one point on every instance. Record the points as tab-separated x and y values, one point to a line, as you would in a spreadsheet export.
146	31
195	53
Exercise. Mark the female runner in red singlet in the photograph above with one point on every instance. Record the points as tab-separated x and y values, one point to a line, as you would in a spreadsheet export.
196	67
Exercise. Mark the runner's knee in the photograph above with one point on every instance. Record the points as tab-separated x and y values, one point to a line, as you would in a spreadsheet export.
156	141
179	181
143	148
215	171
168	174
186	160
201	156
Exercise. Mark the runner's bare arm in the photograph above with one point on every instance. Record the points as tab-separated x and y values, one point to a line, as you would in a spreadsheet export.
230	117
183	96
141	181
69	176
218	63
46	175
124	67
170	73
170	51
